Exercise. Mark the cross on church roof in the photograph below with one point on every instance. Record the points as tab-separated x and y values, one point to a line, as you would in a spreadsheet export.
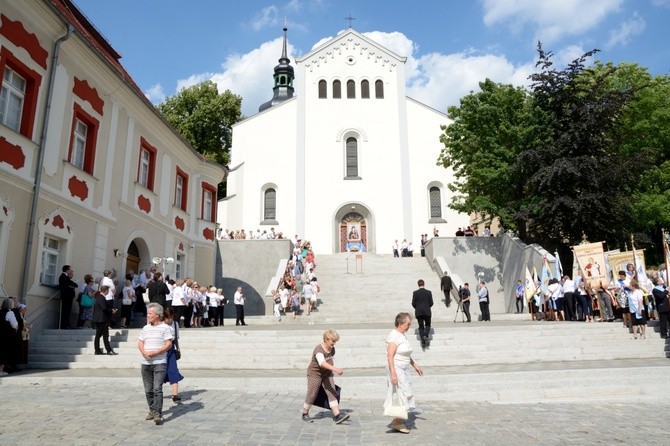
350	18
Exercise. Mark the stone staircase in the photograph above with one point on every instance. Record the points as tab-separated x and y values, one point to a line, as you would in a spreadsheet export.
510	359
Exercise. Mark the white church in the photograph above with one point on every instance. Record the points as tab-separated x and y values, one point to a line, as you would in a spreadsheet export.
340	155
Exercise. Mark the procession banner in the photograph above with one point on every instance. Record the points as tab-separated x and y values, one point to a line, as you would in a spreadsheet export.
529	286
591	259
620	260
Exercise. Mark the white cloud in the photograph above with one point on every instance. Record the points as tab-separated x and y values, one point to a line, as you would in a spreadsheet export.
665	3
623	34
155	94
248	75
266	17
551	20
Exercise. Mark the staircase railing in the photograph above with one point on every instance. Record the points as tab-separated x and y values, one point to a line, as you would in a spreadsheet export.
38	313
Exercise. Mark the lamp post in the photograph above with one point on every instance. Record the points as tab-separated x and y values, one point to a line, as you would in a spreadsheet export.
162	261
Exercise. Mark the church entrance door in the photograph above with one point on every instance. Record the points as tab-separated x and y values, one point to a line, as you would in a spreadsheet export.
353	233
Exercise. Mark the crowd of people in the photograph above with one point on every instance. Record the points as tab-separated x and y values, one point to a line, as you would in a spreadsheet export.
621	299
299	288
241	234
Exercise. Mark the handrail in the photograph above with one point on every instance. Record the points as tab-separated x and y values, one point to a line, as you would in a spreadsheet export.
37	313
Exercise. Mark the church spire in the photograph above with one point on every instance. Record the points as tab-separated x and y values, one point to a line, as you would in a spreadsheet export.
283	77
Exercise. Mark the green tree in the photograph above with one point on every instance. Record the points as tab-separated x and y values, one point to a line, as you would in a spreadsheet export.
205	118
490	129
578	181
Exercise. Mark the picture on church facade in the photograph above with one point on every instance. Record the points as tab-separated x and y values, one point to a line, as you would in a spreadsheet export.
353	232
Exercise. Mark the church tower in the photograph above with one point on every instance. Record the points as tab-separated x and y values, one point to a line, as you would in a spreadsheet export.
283	76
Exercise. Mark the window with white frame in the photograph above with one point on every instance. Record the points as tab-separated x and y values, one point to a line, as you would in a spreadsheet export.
179	266
179	191
145	165
12	95
79	144
207	200
50	254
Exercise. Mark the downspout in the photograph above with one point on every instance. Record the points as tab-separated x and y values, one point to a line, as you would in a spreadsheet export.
40	162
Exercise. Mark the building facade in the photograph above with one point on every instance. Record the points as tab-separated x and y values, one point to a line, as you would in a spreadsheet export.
348	161
90	174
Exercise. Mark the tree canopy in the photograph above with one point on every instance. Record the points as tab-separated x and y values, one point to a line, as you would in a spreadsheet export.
584	150
205	118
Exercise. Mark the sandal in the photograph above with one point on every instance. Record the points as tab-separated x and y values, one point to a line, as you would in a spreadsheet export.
401	428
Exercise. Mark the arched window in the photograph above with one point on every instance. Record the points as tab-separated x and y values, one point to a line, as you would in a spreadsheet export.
435	203
352	158
270	206
322	89
337	90
365	89
379	89
351	89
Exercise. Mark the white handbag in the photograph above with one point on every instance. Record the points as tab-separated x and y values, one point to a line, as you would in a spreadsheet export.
395	404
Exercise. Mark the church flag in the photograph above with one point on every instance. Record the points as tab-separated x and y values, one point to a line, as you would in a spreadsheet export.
546	275
642	279
591	259
558	266
529	286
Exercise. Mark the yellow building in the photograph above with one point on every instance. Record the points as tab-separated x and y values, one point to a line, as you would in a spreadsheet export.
91	175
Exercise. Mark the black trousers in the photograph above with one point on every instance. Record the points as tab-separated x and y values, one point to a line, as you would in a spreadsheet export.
188	313
484	307
102	329
218	320
569	306
466	309
447	297
239	309
66	309
178	313
424	326
519	305
663	322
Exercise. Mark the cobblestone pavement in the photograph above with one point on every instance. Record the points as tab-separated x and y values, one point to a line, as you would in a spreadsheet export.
113	414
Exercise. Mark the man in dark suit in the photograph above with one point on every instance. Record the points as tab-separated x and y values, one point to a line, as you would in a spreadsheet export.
422	300
67	289
103	310
446	285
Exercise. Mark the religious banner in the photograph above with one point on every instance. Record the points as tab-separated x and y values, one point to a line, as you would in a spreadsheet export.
591	259
623	261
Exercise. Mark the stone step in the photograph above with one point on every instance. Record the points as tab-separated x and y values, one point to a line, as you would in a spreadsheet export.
540	383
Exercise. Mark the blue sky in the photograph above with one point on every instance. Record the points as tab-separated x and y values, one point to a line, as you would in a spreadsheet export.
451	45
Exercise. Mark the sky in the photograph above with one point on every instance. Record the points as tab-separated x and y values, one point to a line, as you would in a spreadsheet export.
450	45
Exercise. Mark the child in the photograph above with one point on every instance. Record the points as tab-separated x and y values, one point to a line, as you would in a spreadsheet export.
295	302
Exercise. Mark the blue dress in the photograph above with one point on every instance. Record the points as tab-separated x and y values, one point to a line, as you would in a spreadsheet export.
172	374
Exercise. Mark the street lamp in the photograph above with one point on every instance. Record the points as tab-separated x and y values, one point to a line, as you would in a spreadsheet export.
162	261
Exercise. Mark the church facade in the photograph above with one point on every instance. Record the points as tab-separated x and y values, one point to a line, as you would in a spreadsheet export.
341	156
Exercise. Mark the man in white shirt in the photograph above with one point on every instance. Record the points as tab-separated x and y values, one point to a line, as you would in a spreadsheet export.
153	343
107	280
238	300
569	298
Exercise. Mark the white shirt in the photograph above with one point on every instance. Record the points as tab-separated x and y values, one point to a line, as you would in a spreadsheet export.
569	286
177	296
213	299
112	289
404	351
239	298
154	336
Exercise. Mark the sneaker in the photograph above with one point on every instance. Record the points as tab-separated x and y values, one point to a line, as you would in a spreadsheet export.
158	419
176	398
306	418
150	415
3	373
340	418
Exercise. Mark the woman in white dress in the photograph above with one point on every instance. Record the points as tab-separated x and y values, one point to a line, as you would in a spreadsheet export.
399	359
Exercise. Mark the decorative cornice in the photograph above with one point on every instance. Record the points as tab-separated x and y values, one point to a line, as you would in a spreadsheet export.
17	34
